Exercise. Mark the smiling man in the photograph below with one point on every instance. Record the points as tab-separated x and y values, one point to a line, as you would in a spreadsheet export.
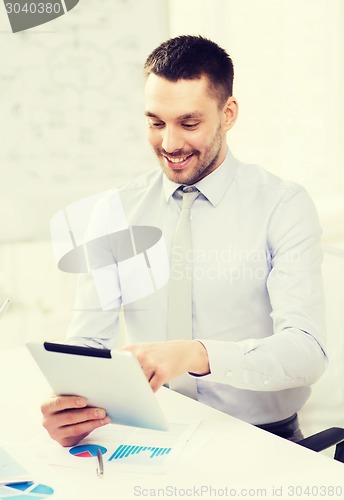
254	325
189	145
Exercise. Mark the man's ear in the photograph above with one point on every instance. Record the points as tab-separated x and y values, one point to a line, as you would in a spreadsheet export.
230	111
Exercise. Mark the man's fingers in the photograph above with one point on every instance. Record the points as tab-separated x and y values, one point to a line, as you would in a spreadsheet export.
157	380
72	417
71	434
60	403
152	361
147	364
68	419
71	441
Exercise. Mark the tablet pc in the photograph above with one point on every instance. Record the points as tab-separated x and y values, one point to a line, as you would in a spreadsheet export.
112	380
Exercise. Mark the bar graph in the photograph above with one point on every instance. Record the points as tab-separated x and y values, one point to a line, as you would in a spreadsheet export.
139	454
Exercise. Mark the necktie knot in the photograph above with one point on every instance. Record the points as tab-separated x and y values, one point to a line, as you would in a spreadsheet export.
189	194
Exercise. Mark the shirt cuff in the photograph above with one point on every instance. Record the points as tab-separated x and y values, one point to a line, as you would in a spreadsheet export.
222	368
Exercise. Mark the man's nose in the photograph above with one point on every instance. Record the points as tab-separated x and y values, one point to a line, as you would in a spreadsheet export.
172	140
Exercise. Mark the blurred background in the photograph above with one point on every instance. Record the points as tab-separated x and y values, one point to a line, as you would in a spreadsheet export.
72	122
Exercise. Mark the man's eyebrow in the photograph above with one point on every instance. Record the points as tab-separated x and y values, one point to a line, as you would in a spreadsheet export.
151	115
187	116
190	116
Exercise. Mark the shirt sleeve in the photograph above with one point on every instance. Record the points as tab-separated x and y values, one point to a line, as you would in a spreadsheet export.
95	320
91	325
294	355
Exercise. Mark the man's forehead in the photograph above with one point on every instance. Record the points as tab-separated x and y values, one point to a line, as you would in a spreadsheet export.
155	84
187	97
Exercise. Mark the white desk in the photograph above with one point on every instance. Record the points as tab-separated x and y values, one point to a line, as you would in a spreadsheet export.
232	454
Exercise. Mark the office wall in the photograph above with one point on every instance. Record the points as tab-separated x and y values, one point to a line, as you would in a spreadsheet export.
71	108
289	76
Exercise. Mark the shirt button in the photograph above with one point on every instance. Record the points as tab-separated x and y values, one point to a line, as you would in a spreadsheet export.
266	382
229	374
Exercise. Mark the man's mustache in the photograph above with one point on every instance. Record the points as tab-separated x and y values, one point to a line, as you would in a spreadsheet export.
177	153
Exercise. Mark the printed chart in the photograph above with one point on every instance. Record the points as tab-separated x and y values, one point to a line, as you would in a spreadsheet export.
125	454
23	491
122	447
87	450
137	454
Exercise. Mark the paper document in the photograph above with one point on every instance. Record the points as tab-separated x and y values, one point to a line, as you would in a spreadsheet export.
122	447
10	470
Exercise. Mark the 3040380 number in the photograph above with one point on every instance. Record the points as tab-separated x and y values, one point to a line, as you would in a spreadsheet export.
33	8
315	491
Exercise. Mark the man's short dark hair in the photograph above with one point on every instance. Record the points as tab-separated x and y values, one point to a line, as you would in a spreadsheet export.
191	57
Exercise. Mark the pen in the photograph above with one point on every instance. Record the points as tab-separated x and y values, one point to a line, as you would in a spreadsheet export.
4	306
100	468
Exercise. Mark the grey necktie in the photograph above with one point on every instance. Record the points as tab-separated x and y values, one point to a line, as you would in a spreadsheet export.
180	288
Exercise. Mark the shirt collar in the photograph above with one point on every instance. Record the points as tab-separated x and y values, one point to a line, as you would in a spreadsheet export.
213	186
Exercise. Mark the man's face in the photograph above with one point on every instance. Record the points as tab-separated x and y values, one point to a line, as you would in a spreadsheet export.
186	128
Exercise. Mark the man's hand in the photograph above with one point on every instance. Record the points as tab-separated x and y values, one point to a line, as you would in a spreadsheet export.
164	361
68	419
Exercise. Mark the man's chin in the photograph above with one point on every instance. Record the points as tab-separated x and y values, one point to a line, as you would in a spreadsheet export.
183	175
180	176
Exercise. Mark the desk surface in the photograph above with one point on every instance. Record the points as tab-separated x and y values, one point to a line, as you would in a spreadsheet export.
225	457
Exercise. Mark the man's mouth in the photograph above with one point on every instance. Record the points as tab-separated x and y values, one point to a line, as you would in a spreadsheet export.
178	162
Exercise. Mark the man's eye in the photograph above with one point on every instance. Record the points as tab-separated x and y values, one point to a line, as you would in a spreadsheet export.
190	125
156	124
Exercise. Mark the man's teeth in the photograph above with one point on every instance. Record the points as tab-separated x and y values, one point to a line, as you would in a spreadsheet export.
177	160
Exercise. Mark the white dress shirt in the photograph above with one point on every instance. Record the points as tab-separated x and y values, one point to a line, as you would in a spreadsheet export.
257	287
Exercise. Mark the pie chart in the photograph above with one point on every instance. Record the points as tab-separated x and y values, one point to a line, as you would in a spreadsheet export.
87	450
25	491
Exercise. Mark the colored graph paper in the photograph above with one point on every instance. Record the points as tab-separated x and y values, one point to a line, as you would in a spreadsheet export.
87	450
25	491
124	451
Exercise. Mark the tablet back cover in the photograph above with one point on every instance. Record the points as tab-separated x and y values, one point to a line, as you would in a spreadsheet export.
116	384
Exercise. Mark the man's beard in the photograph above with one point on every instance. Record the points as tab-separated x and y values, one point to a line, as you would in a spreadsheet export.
206	162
